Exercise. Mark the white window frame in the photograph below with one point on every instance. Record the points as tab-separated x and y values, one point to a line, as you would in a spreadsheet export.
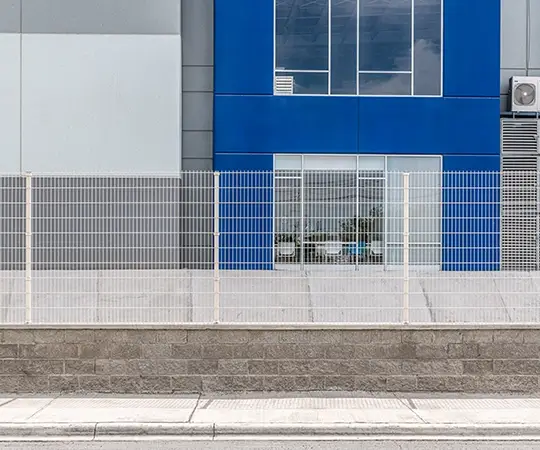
385	266
328	71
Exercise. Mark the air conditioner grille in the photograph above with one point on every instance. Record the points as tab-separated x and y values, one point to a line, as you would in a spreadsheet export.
284	85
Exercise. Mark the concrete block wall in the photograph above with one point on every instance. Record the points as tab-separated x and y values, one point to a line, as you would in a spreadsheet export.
207	360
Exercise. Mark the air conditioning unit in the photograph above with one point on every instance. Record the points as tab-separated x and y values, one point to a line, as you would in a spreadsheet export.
284	85
523	94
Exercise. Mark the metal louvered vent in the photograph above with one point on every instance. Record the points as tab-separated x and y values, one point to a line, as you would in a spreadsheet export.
520	194
284	85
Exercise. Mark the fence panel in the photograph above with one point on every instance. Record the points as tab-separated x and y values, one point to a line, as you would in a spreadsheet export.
292	246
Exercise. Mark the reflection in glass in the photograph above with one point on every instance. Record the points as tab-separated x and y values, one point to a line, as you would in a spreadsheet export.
384	84
302	34
308	83
355	217
385	35
427	47
344	43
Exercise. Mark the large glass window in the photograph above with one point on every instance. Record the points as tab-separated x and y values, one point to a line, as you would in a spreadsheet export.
358	47
349	210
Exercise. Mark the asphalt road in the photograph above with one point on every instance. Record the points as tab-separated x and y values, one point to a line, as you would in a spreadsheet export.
283	445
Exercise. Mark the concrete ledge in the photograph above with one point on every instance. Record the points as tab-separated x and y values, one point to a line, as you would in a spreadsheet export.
120	431
155	429
46	430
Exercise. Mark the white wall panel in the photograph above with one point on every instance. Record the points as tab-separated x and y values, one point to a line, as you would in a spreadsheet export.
513	34
535	35
10	126
101	103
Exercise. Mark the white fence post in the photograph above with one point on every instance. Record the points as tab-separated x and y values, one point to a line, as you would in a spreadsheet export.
28	248
406	284
216	248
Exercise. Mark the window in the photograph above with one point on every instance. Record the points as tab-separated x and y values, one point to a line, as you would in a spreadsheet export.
348	210
359	47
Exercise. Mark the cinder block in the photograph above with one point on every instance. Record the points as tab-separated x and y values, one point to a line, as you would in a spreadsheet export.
156	385
425	337
40	367
325	337
202	337
49	336
355	337
171	336
508	336
531	336
147	367
369	383
281	383
232	337
247	351
79	367
124	350
431	351
186	351
280	351
217	352
41	351
126	384
517	366
93	351
337	383
294	337
186	384
294	367
156	351
232	383
340	352
9	350
509	351
477	336
467	351
385	351
112	367
262	367
127	336
64	383
386	336
434	367
502	384
310	351
96	383
478	367
385	367
233	367
18	337
352	367
441	383
263	337
202	367
401	384
79	336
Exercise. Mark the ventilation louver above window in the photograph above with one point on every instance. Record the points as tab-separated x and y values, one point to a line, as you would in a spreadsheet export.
284	85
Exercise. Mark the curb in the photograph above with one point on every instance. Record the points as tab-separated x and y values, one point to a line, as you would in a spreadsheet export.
112	431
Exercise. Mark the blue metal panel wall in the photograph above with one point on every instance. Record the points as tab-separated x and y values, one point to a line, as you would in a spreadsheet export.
251	124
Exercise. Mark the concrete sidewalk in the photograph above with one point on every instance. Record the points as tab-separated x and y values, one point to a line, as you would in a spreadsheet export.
302	416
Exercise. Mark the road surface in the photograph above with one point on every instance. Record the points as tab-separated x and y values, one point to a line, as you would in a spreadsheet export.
285	445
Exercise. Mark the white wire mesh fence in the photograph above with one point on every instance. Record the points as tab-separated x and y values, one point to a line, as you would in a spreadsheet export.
290	246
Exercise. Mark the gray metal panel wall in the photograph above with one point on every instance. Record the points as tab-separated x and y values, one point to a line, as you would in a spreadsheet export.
53	126
520	41
198	84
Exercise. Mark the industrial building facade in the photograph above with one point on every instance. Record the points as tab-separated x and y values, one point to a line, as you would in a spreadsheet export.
334	95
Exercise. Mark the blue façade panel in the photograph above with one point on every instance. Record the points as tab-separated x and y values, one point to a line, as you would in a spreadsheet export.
472	35
471	213
273	124
246	220
244	46
440	126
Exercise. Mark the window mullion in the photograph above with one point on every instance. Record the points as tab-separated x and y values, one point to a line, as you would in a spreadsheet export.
329	47
412	47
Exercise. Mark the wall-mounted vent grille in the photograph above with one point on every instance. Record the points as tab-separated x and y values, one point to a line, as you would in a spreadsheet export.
520	194
284	85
